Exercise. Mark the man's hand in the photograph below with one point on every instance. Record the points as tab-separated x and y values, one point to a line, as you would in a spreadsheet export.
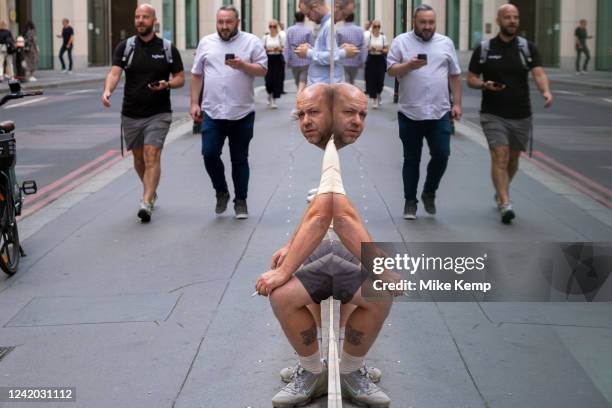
279	256
270	280
106	98
456	112
548	99
416	63
302	50
350	50
161	85
196	113
490	86
235	63
389	276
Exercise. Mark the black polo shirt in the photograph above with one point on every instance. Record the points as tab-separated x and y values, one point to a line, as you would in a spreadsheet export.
504	65
148	65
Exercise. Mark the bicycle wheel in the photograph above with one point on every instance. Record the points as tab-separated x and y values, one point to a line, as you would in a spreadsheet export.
9	236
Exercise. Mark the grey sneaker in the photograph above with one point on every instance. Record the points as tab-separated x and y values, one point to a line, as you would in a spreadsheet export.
240	207
144	211
153	202
507	213
359	388
222	199
410	209
286	374
374	373
304	387
429	202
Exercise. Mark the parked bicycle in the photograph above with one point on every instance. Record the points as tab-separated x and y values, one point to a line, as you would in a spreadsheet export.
11	197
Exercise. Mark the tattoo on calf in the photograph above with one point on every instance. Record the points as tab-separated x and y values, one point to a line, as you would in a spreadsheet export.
309	336
352	336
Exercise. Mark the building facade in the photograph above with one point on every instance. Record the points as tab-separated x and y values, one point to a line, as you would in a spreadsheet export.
100	24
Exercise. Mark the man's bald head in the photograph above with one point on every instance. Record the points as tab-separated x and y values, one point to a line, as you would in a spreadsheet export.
314	106
349	113
146	7
508	20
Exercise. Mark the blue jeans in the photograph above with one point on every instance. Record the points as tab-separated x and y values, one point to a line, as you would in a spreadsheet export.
437	134
239	132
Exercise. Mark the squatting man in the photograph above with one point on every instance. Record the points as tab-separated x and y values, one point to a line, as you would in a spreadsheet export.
314	265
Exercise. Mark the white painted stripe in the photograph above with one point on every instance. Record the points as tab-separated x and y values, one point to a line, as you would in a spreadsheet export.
608	100
24	103
80	91
334	393
569	93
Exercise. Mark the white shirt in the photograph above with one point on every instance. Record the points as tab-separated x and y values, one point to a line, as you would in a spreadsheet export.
269	42
228	92
377	42
423	93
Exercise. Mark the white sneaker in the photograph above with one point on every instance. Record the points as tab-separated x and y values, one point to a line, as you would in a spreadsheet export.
269	99
273	105
32	79
507	213
379	98
64	71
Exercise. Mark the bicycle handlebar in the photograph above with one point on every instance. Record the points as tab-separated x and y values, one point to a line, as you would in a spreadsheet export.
18	95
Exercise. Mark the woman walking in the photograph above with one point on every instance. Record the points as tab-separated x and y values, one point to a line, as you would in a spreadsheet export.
273	42
7	48
376	64
31	50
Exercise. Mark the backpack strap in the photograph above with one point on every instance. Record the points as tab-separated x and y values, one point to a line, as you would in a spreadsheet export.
128	52
168	50
485	46
524	52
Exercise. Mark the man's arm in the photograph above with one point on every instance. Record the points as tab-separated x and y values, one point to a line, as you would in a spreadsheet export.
455	83
197	82
543	85
177	81
112	79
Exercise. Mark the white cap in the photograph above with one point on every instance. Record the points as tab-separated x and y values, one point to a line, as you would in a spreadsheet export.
331	176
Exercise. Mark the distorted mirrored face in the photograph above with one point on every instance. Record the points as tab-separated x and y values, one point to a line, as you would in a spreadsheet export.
425	24
144	20
315	11
227	24
315	114
343	9
350	110
508	20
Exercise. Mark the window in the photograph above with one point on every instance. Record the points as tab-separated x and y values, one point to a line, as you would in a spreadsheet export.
228	2
371	10
246	9
168	20
452	20
475	23
603	53
276	9
191	23
290	12
399	24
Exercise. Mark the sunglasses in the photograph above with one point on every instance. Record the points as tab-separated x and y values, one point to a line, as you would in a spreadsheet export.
375	26
272	26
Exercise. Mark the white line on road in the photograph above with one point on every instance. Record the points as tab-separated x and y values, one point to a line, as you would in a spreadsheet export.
80	91
608	100
31	101
569	93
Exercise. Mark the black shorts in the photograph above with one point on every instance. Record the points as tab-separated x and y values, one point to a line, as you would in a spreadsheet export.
331	270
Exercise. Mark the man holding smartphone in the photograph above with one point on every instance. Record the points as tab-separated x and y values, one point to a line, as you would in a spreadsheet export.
146	115
225	65
425	63
504	63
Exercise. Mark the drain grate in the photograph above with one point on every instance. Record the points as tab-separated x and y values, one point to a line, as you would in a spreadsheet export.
4	351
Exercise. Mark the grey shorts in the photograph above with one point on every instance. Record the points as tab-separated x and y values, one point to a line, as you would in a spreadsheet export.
331	270
138	132
300	74
514	133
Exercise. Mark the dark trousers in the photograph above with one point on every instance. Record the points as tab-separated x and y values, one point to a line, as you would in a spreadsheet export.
375	70
275	77
437	134
61	57
239	132
587	58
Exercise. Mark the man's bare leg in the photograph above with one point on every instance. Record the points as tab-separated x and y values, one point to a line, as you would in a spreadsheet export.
152	173
500	158
139	163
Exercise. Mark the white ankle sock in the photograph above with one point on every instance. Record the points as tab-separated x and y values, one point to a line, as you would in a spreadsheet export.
341	339
349	363
312	363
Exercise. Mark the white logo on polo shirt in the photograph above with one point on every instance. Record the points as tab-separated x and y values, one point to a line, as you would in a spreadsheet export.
158	56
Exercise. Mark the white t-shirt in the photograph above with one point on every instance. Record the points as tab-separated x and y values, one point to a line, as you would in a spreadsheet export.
270	43
377	42
423	93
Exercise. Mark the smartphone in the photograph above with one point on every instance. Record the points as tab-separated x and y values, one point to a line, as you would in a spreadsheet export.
229	56
422	57
498	85
154	84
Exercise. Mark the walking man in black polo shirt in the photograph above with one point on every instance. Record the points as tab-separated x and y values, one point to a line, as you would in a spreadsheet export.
146	115
504	63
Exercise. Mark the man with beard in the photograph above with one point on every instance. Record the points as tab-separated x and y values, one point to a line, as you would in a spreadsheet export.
424	63
146	114
504	63
225	65
320	55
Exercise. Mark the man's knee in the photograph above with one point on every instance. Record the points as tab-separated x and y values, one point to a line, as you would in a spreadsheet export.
500	156
282	301
151	156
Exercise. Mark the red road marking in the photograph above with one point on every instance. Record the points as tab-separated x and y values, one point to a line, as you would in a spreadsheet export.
55	194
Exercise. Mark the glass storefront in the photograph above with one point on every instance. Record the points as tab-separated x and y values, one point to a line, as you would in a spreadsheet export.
276	9
452	20
246	17
168	20
41	10
291	9
192	17
399	23
97	32
371	10
475	23
603	37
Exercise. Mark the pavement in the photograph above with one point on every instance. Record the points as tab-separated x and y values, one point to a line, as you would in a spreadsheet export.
160	315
